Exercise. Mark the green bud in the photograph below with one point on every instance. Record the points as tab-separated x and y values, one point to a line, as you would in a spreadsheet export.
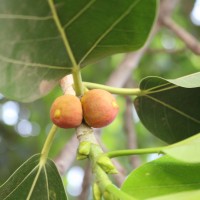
84	148
106	164
80	157
96	192
109	196
106	195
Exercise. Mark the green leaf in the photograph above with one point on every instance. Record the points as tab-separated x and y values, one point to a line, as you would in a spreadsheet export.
187	150
169	111
33	56
161	177
34	181
191	195
189	81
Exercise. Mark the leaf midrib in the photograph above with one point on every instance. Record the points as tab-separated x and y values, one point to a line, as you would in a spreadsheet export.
39	65
174	109
25	17
37	166
117	21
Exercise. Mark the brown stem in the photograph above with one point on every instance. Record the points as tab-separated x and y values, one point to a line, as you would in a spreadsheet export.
166	51
190	41
86	183
130	131
66	84
67	155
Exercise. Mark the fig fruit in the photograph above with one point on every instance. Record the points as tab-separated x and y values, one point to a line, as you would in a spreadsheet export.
99	108
66	111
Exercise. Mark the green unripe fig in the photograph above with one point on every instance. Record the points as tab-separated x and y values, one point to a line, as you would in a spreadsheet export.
99	108
66	111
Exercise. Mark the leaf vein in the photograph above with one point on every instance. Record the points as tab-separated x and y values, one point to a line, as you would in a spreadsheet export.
25	17
32	40
22	181
19	62
168	186
173	108
46	178
86	7
34	182
117	21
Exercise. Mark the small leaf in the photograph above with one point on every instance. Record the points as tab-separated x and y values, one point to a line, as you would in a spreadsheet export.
171	112
33	181
162	177
33	56
187	150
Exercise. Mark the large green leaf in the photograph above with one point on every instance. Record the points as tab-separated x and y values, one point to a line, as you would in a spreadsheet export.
170	108
33	181
32	52
191	195
189	81
161	177
187	150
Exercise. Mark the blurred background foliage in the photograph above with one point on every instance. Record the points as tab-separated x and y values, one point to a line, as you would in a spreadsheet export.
24	127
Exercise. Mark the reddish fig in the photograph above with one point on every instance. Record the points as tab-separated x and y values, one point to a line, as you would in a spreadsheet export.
99	108
66	111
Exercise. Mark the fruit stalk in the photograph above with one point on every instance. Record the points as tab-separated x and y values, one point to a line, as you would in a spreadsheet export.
113	154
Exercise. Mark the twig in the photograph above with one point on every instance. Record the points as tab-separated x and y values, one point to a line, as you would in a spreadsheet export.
119	77
86	183
130	132
166	8
190	41
168	51
164	19
66	84
67	155
129	126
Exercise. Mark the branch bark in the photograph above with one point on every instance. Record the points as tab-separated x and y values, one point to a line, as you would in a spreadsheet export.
190	41
129	127
86	183
67	155
165	19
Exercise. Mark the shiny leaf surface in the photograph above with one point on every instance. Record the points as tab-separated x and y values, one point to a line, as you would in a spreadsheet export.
33	181
33	55
163	176
171	112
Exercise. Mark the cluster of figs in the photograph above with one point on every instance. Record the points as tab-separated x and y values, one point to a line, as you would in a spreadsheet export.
96	107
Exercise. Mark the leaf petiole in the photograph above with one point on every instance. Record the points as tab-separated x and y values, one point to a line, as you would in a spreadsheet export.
114	90
47	145
78	86
128	152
